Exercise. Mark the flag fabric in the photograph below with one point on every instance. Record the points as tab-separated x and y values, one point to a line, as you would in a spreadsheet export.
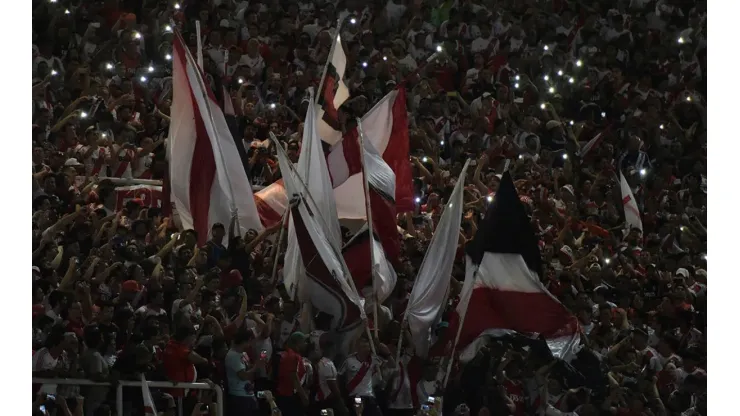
386	128
431	287
206	174
327	280
313	171
149	408
151	196
502	292
333	94
631	212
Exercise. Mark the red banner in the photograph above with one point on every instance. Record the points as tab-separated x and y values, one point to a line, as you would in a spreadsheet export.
150	195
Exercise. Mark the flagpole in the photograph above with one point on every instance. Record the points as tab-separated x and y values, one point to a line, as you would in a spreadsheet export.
459	331
334	41
279	243
207	102
199	45
369	215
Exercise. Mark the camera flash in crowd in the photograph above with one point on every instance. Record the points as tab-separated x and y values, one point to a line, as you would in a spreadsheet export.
542	106
441	142
177	6
607	261
683	228
52	1
560	72
150	69
565	156
168	28
516	85
546	77
579	63
439	48
643	172
66	11
680	40
418	200
168	57
142	79
571	80
103	135
547	48
385	58
137	35
364	64
551	90
603	114
688	98
273	105
661	127
240	80
54	72
109	66
516	77
572	122
489	198
521	157
424	159
353	20
83	115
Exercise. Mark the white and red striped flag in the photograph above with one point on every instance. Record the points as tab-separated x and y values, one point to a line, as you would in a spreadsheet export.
333	94
207	177
149	408
502	293
631	211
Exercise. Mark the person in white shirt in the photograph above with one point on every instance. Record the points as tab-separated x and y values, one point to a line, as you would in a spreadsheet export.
327	394
361	372
400	402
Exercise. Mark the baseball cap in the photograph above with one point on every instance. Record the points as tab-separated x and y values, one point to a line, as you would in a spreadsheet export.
296	337
72	162
130	286
682	272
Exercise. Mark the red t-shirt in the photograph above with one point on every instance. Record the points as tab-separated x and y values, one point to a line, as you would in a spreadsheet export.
515	391
177	366
290	361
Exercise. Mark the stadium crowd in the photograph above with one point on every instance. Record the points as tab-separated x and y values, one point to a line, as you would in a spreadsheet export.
523	85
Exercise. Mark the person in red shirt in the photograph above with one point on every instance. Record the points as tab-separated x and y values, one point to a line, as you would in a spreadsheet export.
509	372
179	359
290	396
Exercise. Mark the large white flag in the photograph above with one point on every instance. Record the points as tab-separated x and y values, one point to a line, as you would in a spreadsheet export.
206	174
432	283
631	212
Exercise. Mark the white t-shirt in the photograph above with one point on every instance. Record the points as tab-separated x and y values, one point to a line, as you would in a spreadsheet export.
327	372
43	361
400	388
364	388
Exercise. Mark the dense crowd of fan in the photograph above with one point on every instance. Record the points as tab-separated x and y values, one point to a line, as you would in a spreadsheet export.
522	86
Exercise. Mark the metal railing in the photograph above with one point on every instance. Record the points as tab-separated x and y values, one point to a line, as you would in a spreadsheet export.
127	383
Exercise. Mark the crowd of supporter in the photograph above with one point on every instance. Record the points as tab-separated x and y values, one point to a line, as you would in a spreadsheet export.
522	85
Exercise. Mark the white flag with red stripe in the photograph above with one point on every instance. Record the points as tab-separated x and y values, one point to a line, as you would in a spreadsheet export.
631	211
502	292
207	177
333	94
149	409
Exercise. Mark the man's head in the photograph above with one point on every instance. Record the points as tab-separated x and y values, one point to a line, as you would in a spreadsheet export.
218	232
296	341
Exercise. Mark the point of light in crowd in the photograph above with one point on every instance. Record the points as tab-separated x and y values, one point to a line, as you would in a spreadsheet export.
542	106
521	157
177	6
683	228
103	135
83	115
168	28
53	72
662	127
142	79
547	48
66	11
52	1
643	172
516	85
565	156
109	66
571	80
603	114
353	20
441	142
385	58
424	159
273	105
150	69
560	72
137	35
688	98
516	77
680	40
364	64
489	198
607	261
546	77
418	199
168	57
439	48
240	80
572	122
552	90
579	63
